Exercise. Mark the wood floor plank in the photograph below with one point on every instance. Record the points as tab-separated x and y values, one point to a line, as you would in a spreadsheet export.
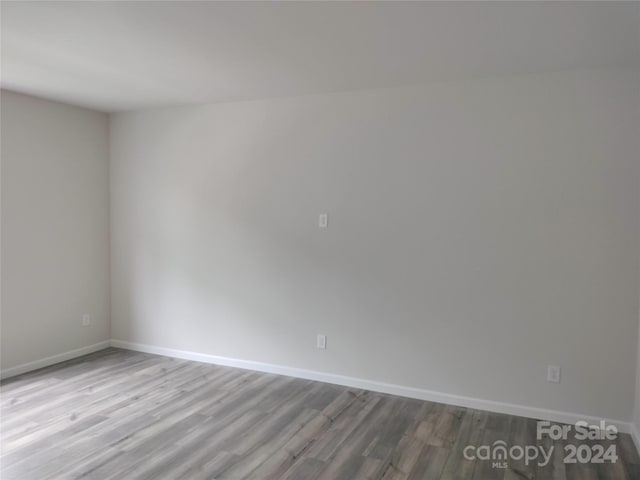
118	414
430	464
555	468
470	433
497	429
523	434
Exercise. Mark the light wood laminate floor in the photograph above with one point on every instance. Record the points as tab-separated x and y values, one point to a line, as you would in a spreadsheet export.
123	415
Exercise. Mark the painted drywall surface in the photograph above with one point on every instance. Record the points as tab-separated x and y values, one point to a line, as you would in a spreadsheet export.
636	413
636	410
478	231
55	237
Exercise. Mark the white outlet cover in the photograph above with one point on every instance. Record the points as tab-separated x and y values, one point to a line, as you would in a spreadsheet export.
323	220
86	320
321	341
553	373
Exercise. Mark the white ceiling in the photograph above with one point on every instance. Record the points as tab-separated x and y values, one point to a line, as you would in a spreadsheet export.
127	55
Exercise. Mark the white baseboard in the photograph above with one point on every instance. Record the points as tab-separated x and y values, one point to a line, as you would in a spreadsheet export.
45	362
403	391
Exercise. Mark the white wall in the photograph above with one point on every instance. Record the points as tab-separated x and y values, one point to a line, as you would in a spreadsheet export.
636	413
478	231
55	239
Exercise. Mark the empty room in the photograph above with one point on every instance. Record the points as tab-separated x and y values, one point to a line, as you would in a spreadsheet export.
320	240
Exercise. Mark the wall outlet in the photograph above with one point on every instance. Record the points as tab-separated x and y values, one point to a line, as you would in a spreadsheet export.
86	320
323	220
553	374
321	341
